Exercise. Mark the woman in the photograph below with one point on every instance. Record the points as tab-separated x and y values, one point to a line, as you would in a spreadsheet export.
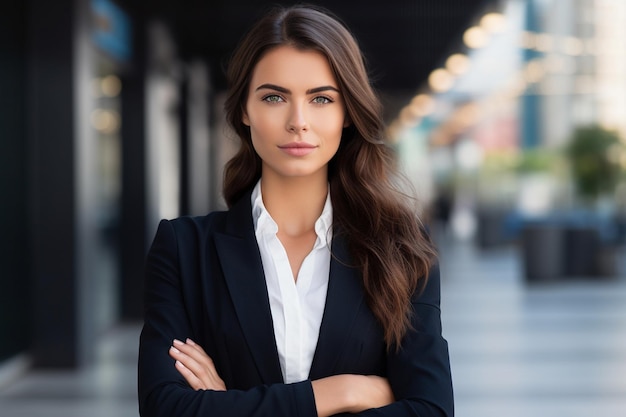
315	293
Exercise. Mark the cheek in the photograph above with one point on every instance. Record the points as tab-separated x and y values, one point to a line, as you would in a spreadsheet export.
265	134
329	121
262	127
332	126
257	132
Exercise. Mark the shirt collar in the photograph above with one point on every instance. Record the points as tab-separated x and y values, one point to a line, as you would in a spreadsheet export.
263	222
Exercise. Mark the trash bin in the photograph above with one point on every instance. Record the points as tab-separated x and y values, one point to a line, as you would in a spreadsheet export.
542	251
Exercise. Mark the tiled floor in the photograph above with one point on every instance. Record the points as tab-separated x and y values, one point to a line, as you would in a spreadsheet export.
107	389
555	350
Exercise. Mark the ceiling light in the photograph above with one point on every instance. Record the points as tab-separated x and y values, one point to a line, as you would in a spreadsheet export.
440	80
423	104
493	22
475	37
457	64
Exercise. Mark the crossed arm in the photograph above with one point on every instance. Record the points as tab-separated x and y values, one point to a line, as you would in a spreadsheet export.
333	395
418	373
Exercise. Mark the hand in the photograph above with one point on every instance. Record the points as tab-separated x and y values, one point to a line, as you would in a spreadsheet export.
196	366
372	391
350	393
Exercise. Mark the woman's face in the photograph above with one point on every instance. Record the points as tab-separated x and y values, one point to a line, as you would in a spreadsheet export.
295	112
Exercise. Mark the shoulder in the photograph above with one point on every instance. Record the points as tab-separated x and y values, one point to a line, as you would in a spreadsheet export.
431	293
191	230
185	225
186	231
182	244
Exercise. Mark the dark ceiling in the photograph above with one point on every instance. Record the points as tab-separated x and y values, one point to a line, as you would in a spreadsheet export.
402	40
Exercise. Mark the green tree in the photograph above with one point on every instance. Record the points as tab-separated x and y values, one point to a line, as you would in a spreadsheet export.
594	154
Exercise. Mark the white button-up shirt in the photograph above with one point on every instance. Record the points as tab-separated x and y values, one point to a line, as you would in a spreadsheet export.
297	305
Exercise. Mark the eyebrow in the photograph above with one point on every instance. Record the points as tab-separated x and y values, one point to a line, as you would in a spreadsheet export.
287	91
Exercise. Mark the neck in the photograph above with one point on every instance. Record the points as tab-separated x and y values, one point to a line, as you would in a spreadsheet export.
294	203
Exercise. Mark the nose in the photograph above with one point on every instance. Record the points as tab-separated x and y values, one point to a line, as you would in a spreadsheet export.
297	121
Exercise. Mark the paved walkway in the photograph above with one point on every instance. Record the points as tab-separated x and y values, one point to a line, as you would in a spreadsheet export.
556	350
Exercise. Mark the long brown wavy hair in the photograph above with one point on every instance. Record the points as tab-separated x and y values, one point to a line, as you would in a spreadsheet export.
383	233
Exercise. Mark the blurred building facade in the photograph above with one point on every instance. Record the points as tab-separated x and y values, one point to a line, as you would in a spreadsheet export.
111	116
105	131
498	114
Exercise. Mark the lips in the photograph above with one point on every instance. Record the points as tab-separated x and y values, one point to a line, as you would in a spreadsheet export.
297	148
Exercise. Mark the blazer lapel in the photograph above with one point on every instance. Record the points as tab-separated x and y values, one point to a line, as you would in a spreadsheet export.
343	300
243	272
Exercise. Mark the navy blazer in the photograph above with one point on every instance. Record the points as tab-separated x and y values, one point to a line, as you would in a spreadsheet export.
204	280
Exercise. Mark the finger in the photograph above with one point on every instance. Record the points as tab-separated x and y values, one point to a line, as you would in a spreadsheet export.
195	351
193	381
203	363
196	376
201	370
197	347
188	361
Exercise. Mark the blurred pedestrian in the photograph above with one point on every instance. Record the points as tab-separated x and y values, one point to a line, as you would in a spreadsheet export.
317	292
442	209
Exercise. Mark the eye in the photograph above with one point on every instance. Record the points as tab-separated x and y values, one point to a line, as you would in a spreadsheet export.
322	100
273	98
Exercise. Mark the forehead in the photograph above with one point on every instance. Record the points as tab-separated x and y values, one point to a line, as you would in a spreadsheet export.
293	68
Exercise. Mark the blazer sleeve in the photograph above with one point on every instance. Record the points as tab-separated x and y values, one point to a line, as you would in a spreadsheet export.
162	390
419	372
